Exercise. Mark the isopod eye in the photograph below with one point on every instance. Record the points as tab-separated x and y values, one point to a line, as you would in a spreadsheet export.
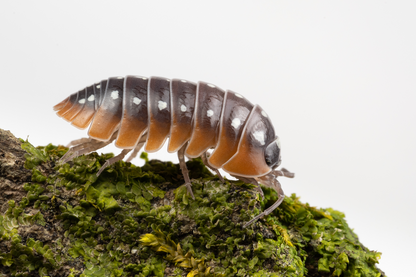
272	154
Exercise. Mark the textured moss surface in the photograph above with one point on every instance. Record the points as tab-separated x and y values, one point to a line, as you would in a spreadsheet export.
139	221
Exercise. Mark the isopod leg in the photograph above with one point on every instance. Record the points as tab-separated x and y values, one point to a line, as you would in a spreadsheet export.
272	207
111	161
135	151
137	148
251	181
73	151
283	172
85	147
78	141
185	172
204	158
81	149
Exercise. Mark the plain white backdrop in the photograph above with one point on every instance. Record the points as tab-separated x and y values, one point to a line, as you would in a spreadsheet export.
336	77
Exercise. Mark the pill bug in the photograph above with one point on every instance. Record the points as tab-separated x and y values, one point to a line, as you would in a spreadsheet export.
136	111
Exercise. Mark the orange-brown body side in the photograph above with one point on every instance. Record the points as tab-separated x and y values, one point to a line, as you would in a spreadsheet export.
84	117
108	116
183	95
202	117
159	113
233	119
207	115
135	118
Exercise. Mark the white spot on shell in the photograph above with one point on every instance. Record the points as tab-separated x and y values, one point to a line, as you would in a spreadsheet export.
183	81
210	113
81	101
259	136
91	98
238	95
114	94
162	105
183	108
211	85
98	86
144	78
264	113
235	123
136	100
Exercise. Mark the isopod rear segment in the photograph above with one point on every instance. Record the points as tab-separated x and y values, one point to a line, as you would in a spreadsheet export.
136	111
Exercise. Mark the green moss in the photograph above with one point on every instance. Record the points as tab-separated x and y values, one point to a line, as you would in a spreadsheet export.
95	225
161	243
31	255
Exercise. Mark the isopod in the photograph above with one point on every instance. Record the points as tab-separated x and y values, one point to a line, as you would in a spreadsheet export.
136	111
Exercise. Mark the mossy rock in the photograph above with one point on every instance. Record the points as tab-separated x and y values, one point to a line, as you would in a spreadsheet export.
139	221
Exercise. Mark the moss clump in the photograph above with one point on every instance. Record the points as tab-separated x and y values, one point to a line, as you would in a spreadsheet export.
72	223
161	243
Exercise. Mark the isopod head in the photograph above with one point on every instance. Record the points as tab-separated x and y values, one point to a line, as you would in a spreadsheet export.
272	154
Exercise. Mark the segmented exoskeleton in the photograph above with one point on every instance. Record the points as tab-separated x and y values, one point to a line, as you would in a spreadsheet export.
136	111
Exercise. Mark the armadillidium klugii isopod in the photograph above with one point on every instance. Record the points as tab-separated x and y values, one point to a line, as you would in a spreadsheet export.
136	111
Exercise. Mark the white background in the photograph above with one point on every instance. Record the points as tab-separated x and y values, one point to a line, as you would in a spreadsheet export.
336	77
